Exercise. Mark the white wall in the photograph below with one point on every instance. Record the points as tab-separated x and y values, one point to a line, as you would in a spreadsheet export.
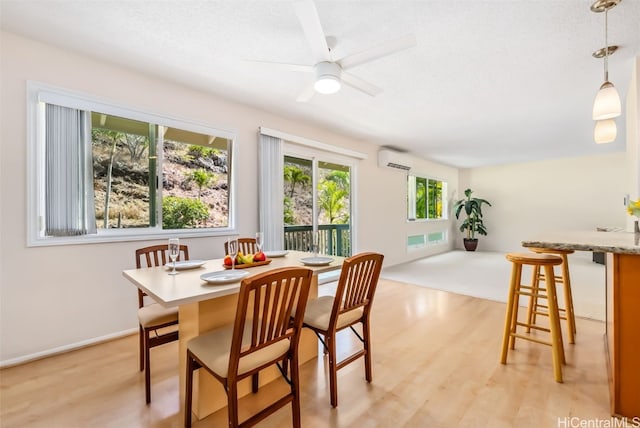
632	114
54	298
561	194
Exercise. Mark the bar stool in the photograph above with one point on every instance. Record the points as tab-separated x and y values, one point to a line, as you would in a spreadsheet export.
567	312
517	289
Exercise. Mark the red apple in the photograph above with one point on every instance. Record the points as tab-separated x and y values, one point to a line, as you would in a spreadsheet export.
259	257
228	261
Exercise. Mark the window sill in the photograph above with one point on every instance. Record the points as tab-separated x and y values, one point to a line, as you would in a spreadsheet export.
127	235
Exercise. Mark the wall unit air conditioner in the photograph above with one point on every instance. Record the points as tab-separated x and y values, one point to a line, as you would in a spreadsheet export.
393	159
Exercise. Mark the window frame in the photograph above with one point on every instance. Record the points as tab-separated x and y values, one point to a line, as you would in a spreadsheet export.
411	211
426	240
315	151
329	154
39	93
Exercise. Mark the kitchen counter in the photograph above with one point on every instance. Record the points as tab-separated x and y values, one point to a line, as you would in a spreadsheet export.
622	331
605	242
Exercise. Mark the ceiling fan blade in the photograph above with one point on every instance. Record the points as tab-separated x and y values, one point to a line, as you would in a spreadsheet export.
360	84
310	21
283	65
377	52
306	95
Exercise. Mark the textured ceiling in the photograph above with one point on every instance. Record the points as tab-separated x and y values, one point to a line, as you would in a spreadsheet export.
489	82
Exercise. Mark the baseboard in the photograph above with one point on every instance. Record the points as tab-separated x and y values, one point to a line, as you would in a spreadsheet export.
66	348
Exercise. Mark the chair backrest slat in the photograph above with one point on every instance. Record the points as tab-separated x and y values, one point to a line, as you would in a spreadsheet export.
246	245
357	283
270	324
158	255
155	255
266	303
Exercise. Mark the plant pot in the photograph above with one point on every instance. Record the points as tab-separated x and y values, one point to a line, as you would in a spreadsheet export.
470	244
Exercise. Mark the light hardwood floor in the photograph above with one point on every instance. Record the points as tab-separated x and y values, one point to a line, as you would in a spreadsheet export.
435	365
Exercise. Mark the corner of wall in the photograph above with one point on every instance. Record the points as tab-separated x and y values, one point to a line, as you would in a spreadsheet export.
632	116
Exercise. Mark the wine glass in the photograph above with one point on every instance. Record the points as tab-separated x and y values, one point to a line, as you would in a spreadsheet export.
232	248
259	241
174	251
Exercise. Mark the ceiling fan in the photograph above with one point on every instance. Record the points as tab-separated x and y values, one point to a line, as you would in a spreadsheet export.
330	74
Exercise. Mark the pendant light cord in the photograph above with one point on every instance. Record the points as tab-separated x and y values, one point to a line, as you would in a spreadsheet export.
606	47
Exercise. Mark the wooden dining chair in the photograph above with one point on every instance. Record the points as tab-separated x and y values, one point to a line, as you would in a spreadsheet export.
264	334
351	305
246	245
152	316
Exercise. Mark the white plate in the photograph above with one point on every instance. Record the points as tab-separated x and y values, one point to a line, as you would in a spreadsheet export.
316	261
186	264
274	254
224	276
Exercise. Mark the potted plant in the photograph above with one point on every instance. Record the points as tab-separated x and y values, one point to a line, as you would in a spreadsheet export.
472	224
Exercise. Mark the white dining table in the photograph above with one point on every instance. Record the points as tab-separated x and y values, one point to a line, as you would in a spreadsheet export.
203	306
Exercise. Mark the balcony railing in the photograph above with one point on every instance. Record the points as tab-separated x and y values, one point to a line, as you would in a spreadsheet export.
333	239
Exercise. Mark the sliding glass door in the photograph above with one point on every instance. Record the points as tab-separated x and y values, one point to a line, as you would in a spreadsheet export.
317	200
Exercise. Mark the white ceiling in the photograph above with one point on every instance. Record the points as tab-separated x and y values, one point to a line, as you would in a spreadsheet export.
489	82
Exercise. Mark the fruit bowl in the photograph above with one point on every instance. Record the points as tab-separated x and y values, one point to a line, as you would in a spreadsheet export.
248	265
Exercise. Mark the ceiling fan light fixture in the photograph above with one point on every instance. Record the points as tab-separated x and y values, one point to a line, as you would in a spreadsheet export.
607	103
327	78
327	85
605	131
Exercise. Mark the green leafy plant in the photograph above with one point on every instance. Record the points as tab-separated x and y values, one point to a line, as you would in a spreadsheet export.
331	200
473	223
202	178
341	178
178	213
202	151
294	175
289	218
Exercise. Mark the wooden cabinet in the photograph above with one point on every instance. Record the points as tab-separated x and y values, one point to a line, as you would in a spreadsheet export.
623	333
623	307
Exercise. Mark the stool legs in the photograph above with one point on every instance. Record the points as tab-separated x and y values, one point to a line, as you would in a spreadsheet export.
532	310
514	314
511	318
509	328
568	298
557	347
534	307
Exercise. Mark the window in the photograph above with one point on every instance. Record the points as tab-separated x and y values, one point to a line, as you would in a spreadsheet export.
426	198
415	242
317	198
135	174
320	162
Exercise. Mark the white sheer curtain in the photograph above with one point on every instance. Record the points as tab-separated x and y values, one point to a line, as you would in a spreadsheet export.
69	206
271	191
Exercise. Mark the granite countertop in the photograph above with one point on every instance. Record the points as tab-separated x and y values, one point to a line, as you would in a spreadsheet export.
606	242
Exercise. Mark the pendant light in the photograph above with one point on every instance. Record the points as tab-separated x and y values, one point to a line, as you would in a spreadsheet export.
605	131
607	103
